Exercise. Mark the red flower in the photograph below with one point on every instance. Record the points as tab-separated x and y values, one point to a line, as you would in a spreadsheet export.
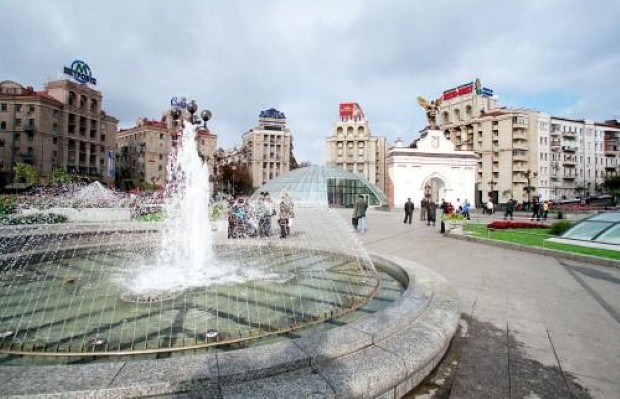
511	224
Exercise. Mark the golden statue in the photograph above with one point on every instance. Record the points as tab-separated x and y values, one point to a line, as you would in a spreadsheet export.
431	110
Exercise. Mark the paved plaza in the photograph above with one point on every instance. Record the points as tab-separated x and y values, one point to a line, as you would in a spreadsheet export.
532	326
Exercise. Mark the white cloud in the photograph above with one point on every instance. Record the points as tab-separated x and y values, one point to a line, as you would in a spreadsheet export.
303	58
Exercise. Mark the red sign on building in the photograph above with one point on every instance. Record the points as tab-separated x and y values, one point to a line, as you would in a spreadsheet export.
346	110
351	111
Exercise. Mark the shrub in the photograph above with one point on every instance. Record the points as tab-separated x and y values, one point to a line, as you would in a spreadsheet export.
216	211
151	217
511	224
558	228
33	218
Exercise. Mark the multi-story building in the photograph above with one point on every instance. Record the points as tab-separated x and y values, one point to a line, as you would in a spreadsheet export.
268	147
583	154
505	141
611	147
144	149
61	127
524	153
352	147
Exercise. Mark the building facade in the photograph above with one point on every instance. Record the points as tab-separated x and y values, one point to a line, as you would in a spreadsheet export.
582	155
267	147
352	147
61	127
143	150
431	169
524	153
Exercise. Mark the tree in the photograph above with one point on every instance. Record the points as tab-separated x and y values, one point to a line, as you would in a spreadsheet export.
612	184
60	176
25	173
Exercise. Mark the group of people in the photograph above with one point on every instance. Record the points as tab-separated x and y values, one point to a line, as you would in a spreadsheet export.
428	209
247	220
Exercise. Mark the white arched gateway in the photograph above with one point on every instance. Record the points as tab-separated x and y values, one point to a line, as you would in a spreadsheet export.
432	167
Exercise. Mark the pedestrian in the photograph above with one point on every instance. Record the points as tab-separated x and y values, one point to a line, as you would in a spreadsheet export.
545	210
286	214
465	209
510	208
360	213
408	210
423	209
535	209
432	213
490	206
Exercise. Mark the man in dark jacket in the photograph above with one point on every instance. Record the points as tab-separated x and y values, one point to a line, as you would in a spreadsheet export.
408	210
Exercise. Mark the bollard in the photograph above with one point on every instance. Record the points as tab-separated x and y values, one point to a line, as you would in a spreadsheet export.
443	227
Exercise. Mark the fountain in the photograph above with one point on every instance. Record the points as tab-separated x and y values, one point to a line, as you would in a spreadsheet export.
134	291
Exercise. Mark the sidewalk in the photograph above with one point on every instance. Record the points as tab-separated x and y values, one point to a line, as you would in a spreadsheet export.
533	326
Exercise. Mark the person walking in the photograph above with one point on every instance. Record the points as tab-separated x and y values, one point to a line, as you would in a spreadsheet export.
535	209
408	210
360	213
465	209
545	209
510	208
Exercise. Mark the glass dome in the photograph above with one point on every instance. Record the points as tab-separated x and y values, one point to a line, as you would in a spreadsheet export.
323	186
603	228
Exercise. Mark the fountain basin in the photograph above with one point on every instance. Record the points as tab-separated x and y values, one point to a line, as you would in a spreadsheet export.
386	353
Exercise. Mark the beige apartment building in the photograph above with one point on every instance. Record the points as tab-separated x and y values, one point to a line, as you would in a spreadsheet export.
352	147
61	127
268	147
524	153
143	150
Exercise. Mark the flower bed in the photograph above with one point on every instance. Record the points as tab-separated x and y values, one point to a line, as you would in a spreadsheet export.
511	224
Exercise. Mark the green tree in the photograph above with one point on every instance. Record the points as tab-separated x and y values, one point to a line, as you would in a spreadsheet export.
25	173
60	176
612	184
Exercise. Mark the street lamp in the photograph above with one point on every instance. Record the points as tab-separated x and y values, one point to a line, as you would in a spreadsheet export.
191	107
233	168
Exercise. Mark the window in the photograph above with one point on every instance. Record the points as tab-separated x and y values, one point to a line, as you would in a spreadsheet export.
18	107
30	108
54	140
3	107
3	125
55	113
18	122
30	137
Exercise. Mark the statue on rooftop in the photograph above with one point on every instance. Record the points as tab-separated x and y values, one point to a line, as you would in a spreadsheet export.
431	110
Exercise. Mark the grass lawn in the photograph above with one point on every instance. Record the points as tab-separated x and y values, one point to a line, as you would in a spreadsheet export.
535	238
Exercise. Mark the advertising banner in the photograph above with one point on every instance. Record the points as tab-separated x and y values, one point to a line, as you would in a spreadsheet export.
111	164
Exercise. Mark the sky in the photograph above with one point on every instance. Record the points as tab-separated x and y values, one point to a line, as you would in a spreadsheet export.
237	58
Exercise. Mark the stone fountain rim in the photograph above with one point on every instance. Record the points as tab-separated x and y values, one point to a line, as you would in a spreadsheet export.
388	352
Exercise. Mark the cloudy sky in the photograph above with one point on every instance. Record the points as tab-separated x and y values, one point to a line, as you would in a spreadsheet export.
303	58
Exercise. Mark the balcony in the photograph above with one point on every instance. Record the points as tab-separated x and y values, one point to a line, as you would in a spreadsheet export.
569	162
519	135
27	157
519	168
520	146
569	177
569	148
568	134
611	150
29	128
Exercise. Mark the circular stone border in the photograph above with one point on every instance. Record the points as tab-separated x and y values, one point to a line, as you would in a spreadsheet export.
386	353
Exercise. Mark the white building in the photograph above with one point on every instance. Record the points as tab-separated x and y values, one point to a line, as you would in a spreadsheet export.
435	166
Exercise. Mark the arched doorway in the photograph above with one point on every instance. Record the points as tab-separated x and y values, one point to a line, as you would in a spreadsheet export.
435	188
